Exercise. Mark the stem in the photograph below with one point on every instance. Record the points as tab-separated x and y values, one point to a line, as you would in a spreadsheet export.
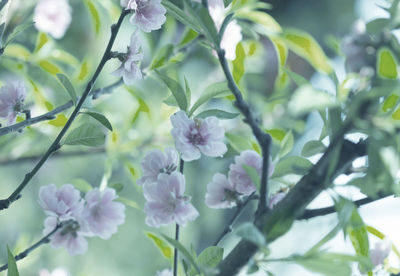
233	219
5	203
181	166
42	241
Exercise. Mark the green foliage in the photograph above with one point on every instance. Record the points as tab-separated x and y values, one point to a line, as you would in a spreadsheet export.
49	67
386	64
164	248
68	86
210	257
82	185
162	57
238	63
118	187
42	39
221	114
238	142
312	147
94	13
215	90
100	118
292	165
12	265
390	102
188	36
176	89
17	31
89	135
286	144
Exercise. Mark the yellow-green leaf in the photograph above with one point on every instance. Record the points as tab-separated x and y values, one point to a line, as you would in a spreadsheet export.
164	248
42	39
59	121
390	102
12	265
49	67
84	71
238	63
95	16
386	64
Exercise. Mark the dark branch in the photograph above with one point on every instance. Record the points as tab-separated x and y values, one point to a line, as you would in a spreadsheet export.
5	203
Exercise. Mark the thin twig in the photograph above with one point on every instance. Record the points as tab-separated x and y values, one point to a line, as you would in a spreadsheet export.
233	219
5	203
106	90
175	271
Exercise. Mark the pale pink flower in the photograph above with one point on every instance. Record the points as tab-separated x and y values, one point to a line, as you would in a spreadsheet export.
129	69
166	202
239	177
102	214
165	272
56	272
380	251
155	162
52	17
63	203
221	193
12	96
275	198
196	136
232	35
148	15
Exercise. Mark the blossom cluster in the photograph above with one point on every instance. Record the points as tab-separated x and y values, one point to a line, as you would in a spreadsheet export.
95	215
225	192
12	97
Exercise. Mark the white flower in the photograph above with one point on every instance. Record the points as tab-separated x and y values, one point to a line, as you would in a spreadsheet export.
148	15
221	193
52	17
380	251
12	97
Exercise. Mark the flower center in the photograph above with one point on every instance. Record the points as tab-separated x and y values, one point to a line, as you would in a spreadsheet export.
168	169
71	228
194	135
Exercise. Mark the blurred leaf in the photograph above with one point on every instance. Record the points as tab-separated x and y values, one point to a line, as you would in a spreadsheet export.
328	267
219	89
42	39
377	25
277	134
298	79
88	135
292	165
390	102
386	64
129	202
12	265
238	142
221	114
396	114
164	248
84	71
286	144
176	89
100	118
68	86
82	185
188	92
188	36
251	233
49	67
18	30
312	147
118	187
305	46
323	241
238	63
265	20
59	121
211	256
181	16
281	50
162	56
227	2
94	13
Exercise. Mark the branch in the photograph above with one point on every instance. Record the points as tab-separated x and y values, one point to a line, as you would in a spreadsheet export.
44	240
175	271
5	203
263	138
106	90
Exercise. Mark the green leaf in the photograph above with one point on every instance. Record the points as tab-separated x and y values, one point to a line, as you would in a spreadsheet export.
390	102
162	56
326	267
188	36
386	64
12	265
18	30
211	256
59	121
118	187
176	89
227	2
376	26
268	23
100	118
298	79
286	144
238	142
221	114
68	86
181	16
94	13
219	89
251	233
129	202
88	135
82	185
49	67
164	248
312	147
253	174
84	71
277	134
42	39
281	49
188	92
184	252
396	114
292	165
305	46
238	63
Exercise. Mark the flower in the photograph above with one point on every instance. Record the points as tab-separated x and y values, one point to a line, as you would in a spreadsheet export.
70	236
239	177
165	272
52	17
12	96
56	272
129	69
193	137
232	34
275	198
166	202
155	162
380	251
63	203
102	215
220	193
149	14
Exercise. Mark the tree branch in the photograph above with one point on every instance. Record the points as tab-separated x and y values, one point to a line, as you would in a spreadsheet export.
5	203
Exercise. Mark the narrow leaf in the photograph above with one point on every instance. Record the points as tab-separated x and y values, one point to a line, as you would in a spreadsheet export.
12	265
164	248
100	118
211	256
176	90
312	147
219	89
68	86
221	114
88	135
386	64
238	63
94	13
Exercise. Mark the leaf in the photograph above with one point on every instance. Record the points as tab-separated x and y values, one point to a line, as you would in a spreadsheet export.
188	36
292	165
128	202
88	135
390	102
219	89
94	13
286	144
253	174
396	114
268	23
176	89
305	46
164	248
49	67
211	256
251	233
386	64
312	147
84	71
238	63
12	265
221	114
181	16
82	185
376	26
298	79
42	39
281	49
325	266
100	118
277	134
118	187
68	86
238	142
184	252
18	30
59	121
162	56
188	92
